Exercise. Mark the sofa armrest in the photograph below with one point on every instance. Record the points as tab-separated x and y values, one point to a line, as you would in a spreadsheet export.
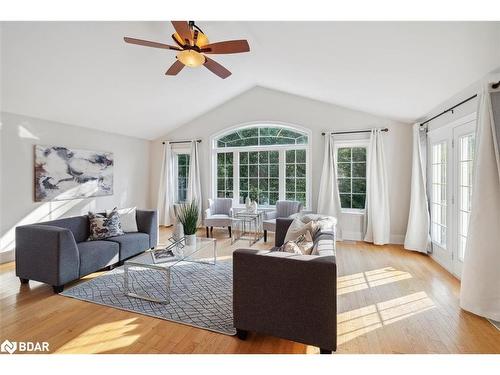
46	253
286	295
282	225
147	222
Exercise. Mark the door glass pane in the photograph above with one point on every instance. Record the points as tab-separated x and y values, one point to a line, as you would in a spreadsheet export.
465	162
438	194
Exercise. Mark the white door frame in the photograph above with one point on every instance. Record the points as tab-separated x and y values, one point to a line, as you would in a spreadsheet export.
449	133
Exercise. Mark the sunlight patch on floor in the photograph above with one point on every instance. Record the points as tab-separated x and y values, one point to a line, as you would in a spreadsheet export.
354	323
110	336
369	279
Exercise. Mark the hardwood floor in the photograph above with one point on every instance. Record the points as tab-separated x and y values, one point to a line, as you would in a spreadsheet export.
390	301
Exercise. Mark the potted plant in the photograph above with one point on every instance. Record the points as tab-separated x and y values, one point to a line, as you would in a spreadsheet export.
187	214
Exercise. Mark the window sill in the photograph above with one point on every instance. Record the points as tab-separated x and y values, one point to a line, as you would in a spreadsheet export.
352	211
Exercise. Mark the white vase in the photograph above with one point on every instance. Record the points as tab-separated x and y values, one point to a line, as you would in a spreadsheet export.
248	203
254	207
190	239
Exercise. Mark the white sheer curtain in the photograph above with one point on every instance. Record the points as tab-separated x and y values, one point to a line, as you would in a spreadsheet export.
329	198
166	190
194	180
417	232
377	215
480	289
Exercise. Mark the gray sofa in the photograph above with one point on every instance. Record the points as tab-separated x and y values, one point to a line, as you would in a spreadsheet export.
57	252
288	295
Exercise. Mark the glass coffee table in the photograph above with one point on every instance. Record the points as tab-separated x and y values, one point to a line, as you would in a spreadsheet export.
148	276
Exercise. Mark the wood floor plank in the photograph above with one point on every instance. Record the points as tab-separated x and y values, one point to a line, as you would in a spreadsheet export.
390	301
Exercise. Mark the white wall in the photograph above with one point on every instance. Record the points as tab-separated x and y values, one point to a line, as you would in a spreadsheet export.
261	104
463	110
20	133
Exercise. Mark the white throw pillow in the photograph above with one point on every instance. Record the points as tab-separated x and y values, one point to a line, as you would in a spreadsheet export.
127	219
298	228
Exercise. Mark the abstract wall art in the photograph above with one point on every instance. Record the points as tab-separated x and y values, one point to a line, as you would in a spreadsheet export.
62	173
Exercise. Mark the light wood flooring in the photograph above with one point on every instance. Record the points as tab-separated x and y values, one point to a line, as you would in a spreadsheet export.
390	301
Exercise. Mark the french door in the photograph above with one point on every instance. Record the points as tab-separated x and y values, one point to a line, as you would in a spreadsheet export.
450	169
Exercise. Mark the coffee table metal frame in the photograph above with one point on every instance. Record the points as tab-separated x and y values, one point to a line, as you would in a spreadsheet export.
248	225
183	253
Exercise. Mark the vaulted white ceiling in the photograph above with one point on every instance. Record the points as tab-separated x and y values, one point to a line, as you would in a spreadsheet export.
82	73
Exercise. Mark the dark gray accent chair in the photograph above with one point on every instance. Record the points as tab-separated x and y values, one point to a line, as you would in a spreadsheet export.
288	295
57	252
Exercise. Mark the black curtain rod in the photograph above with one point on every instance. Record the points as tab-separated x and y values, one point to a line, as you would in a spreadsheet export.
171	142
494	86
357	131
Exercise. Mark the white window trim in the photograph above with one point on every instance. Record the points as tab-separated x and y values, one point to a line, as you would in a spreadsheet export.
352	143
280	148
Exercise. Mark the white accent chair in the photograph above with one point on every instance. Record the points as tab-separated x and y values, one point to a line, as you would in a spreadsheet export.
219	214
283	210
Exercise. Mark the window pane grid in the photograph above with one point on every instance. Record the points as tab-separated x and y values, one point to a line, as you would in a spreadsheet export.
182	176
225	175
351	176
259	176
295	175
262	136
465	164
439	201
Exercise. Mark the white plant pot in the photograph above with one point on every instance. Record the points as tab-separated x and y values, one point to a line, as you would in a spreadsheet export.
178	232
190	239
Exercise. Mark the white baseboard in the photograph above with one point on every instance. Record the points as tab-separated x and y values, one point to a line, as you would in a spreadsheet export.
7	256
352	236
397	239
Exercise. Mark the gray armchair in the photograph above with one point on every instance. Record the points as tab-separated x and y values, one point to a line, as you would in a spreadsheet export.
219	214
283	210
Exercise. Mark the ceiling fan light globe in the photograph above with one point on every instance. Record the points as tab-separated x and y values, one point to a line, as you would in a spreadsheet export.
191	58
202	40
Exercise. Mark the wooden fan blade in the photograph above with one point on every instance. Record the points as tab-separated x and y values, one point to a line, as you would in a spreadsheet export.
148	43
229	46
175	68
183	29
216	68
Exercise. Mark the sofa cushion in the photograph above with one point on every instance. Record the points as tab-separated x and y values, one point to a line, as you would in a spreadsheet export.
298	228
102	227
78	225
128	219
324	244
95	255
131	244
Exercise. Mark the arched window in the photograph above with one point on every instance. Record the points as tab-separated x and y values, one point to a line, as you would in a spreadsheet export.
267	162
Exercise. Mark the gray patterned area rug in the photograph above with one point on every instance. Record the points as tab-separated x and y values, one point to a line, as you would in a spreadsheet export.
201	295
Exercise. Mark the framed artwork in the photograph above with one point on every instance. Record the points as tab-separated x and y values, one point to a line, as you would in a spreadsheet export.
62	173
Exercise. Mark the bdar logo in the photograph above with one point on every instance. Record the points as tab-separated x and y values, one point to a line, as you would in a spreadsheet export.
8	346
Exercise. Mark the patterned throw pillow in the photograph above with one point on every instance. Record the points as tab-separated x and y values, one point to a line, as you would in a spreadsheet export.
300	246
102	227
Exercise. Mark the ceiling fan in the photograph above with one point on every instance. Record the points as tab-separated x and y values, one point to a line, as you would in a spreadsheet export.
192	45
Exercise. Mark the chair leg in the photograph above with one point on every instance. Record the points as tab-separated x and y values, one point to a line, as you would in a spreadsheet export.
229	228
24	281
265	235
211	231
324	351
207	233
